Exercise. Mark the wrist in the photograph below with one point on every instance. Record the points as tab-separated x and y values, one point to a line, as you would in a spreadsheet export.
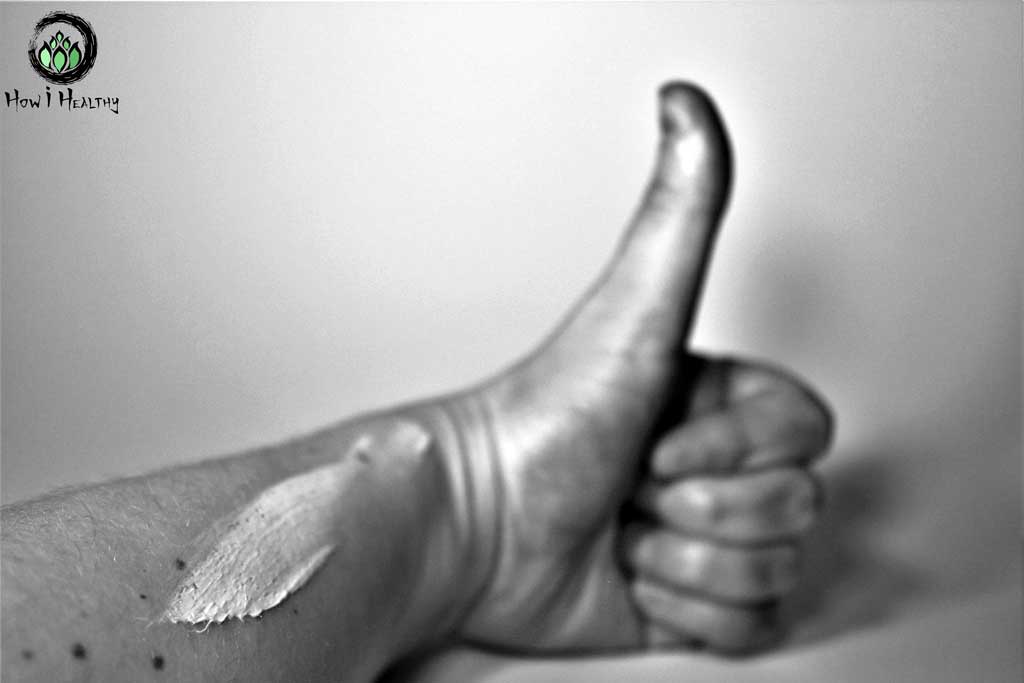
469	510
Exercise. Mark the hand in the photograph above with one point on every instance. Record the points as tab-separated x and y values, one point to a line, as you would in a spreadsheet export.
624	493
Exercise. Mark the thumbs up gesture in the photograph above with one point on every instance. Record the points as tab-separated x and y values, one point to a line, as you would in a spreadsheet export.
621	492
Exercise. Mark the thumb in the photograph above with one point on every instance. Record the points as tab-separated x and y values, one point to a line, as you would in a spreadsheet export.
646	297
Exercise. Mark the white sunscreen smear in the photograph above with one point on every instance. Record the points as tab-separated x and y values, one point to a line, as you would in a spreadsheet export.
271	547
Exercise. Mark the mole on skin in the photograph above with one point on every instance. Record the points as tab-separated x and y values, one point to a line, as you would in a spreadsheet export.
258	556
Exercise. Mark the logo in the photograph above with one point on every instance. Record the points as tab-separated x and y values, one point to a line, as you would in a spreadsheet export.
63	48
62	51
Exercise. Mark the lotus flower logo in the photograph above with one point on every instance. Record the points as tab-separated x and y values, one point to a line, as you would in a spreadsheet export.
63	57
60	54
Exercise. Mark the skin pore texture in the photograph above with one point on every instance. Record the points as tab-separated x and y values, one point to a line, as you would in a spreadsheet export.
609	492
272	546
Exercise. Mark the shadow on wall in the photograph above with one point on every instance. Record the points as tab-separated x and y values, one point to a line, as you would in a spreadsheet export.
849	582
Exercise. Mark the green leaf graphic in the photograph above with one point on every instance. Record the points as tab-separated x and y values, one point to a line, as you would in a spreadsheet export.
60	36
66	43
44	56
53	43
60	59
74	57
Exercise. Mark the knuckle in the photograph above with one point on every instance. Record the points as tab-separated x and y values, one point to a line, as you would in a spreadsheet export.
694	565
679	561
701	504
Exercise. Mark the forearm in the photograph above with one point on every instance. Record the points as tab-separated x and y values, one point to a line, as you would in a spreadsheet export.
89	575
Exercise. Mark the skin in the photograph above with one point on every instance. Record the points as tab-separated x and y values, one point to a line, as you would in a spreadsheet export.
608	492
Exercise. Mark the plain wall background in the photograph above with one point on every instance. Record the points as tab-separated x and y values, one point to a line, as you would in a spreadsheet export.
306	211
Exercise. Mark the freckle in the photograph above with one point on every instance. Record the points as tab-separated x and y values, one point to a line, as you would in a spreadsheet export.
158	662
78	651
179	563
295	611
142	596
27	655
362	456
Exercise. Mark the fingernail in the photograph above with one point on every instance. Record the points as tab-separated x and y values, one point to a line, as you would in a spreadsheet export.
682	106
